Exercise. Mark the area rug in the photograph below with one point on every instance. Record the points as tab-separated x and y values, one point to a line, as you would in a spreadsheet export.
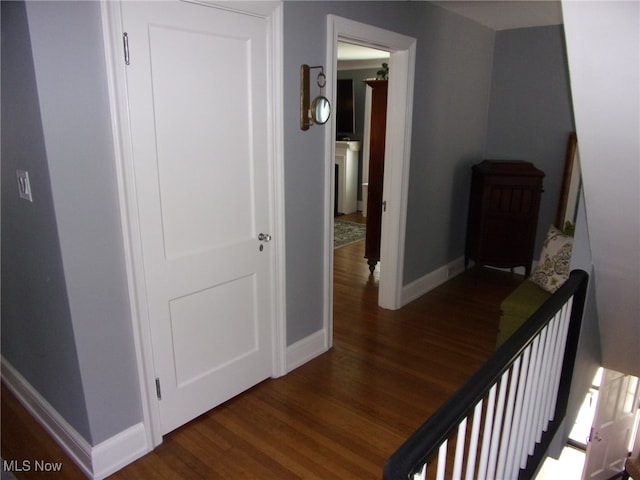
346	233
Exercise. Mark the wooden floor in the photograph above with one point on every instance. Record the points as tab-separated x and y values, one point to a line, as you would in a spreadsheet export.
340	415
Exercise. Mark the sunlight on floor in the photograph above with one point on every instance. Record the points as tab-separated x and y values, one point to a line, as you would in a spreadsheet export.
567	467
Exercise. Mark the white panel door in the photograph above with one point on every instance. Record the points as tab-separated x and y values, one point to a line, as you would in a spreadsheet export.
608	445
197	93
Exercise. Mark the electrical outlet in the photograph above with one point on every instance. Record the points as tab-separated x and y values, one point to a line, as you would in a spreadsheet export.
24	186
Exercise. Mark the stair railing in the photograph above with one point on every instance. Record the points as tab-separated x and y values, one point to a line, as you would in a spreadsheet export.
501	421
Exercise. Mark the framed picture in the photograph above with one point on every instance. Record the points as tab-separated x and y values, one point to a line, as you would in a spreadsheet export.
571	185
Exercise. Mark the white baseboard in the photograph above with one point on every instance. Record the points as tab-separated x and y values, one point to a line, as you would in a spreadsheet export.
306	349
434	279
64	434
431	280
95	462
119	451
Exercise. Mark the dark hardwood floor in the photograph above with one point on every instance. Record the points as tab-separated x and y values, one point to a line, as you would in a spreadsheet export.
339	416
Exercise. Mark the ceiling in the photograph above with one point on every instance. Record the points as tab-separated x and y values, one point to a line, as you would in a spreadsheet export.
507	14
349	52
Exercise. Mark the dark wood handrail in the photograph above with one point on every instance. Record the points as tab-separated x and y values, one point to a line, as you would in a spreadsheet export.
423	445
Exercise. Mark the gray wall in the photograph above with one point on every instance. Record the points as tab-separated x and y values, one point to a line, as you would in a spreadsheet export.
37	332
65	319
453	74
603	44
588	358
531	113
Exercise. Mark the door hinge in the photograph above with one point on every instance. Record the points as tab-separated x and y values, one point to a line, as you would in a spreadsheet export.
384	206
125	44
158	391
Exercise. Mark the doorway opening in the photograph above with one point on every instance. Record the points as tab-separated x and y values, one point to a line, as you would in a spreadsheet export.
360	114
401	51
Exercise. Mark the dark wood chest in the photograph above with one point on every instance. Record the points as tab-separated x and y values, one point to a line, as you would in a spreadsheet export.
503	214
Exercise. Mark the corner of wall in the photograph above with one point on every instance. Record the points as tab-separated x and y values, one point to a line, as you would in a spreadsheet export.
97	462
431	280
119	451
306	349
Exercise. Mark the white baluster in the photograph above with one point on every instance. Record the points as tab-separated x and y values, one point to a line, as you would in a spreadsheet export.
554	367
535	399
564	331
442	461
538	419
422	474
473	441
530	405
486	437
515	447
507	431
462	435
497	426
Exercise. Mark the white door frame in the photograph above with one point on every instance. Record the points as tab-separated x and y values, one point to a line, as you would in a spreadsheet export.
398	148
116	75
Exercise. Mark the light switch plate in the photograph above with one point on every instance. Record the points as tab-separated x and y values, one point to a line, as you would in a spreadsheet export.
24	186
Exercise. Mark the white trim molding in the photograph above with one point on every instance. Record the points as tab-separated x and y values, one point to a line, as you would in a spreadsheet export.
437	277
306	349
116	80
279	295
119	451
97	462
431	280
396	177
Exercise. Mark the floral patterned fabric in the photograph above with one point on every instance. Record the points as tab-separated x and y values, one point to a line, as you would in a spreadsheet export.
553	268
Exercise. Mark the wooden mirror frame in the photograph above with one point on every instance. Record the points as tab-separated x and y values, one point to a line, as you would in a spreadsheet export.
571	184
304	97
313	111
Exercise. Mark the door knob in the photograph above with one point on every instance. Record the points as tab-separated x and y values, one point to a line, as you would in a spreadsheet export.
264	237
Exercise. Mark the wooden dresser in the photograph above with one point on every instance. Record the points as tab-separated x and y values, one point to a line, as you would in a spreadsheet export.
503	214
